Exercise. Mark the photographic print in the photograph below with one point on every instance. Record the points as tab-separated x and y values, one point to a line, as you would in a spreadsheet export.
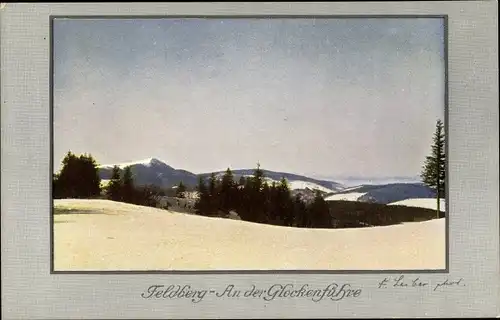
246	144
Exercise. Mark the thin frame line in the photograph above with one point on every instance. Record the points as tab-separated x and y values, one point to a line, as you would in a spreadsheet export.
51	157
446	144
255	17
249	16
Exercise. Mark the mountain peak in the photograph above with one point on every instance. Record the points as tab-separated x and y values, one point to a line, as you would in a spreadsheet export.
154	161
145	162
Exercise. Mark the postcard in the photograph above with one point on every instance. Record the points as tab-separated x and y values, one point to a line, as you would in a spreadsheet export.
163	160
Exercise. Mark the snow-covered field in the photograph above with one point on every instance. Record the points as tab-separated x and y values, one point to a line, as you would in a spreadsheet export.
300	185
351	188
106	235
428	203
352	196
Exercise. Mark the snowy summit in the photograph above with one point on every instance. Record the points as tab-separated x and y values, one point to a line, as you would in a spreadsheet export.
149	162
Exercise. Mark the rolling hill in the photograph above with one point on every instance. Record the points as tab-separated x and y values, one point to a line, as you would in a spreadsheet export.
130	237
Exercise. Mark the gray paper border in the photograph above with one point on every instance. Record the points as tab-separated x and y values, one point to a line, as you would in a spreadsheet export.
30	291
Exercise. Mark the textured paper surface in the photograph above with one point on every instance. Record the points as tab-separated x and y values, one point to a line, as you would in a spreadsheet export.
30	291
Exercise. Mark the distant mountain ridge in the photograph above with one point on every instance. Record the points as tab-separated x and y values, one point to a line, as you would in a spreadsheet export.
383	194
153	171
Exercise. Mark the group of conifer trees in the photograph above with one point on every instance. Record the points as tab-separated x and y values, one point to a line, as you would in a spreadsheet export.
79	178
121	188
255	200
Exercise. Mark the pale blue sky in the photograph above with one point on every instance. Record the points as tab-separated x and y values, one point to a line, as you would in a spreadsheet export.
329	97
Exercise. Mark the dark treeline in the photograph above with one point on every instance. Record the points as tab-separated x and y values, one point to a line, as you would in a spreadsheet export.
356	214
79	178
256	200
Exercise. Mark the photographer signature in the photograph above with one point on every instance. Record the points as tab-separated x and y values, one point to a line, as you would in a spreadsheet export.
407	282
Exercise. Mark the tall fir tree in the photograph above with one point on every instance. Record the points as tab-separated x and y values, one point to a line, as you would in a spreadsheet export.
242	181
285	211
91	184
181	190
319	212
245	202
227	191
147	195
128	185
434	169
203	201
255	196
267	205
213	193
68	177
114	187
258	178
299	212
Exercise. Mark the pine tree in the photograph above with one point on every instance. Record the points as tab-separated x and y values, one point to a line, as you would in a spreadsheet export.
285	211
270	194
319	212
227	191
434	169
255	196
181	189
68	180
127	185
267	208
114	188
299	212
258	178
213	193
242	181
202	203
245	203
148	195
90	185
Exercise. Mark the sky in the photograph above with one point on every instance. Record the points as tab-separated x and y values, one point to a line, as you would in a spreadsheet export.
321	97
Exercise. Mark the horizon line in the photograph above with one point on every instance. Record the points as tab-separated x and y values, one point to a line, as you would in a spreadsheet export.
317	176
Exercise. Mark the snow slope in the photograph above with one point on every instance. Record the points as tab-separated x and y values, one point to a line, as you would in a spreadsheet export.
297	184
352	196
106	235
353	188
429	203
